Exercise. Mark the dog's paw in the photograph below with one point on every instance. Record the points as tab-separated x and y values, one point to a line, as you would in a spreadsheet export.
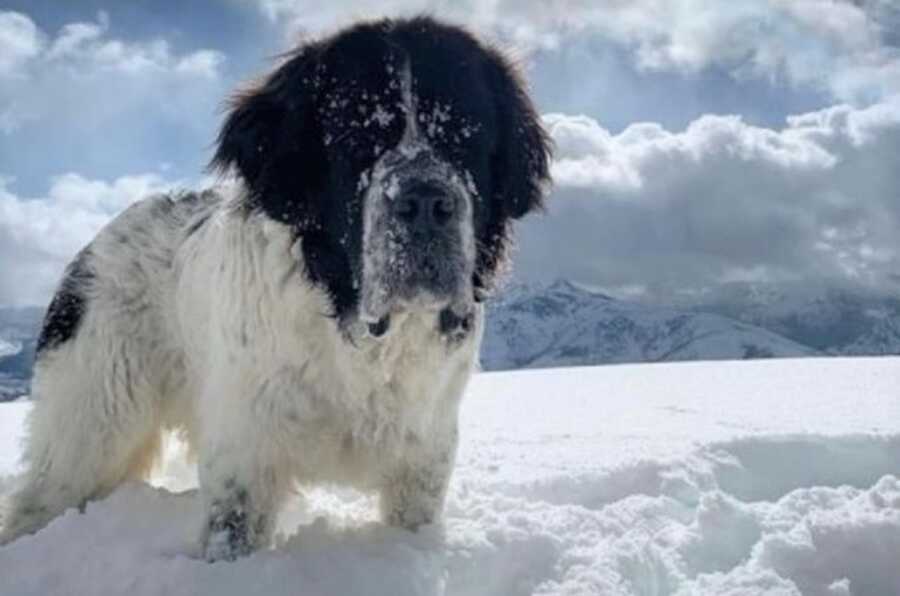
230	536
222	546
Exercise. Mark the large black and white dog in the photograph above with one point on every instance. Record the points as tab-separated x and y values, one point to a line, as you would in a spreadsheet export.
317	319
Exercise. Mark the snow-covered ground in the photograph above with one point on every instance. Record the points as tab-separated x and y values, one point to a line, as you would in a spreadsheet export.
728	478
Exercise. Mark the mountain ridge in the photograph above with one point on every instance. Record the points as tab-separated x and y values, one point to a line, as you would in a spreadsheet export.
566	324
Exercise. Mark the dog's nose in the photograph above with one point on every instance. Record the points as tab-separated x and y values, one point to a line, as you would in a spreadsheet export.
425	206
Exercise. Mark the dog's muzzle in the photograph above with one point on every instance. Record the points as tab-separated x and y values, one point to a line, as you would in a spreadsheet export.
417	242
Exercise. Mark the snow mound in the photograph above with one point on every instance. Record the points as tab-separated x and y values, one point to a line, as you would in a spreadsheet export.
737	478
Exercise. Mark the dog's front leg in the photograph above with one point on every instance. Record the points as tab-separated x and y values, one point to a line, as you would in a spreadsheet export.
237	521
413	494
239	483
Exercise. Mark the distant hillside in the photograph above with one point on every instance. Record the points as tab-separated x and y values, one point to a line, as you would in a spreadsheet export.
837	321
564	325
19	328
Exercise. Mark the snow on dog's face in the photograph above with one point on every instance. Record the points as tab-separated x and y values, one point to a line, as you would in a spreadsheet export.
399	151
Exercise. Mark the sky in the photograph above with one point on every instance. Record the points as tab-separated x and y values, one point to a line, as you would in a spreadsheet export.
697	142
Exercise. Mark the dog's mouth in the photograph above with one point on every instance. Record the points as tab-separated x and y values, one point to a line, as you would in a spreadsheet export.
430	282
415	274
431	274
452	323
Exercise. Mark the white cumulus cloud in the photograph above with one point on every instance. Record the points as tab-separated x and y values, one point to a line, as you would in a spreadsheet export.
722	201
83	68
846	48
87	45
20	40
39	235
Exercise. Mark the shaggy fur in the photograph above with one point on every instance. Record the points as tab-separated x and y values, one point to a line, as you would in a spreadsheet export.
314	321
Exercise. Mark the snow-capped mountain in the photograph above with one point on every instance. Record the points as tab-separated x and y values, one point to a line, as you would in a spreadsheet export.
19	328
834	320
562	324
8	348
565	325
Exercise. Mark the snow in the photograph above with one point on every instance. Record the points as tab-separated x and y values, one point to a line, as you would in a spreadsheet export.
726	478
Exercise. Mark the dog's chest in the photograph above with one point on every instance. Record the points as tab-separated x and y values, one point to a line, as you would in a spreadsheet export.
368	404
403	376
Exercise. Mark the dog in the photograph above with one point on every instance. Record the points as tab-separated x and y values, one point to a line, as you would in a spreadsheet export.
315	316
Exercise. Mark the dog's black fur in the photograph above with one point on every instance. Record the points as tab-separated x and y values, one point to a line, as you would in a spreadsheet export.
298	141
64	314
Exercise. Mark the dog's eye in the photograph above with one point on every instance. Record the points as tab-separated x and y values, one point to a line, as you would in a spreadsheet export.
356	145
462	157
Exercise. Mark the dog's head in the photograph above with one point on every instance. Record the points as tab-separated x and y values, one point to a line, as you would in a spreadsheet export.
399	151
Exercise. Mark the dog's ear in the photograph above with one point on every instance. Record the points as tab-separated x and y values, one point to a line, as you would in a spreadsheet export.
521	159
270	138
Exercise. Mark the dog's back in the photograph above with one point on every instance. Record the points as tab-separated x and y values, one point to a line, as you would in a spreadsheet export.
127	268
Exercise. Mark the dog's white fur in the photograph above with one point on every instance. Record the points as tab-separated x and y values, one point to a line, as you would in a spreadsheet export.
220	335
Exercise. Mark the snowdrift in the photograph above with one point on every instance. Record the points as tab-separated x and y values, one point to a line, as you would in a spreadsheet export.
768	477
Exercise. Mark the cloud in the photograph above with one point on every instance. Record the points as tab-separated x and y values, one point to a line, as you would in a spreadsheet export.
20	41
842	46
86	47
38	236
588	156
680	212
85	100
654	207
204	63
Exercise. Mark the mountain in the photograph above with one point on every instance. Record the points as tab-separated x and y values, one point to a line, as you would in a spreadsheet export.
834	320
562	324
565	325
19	328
